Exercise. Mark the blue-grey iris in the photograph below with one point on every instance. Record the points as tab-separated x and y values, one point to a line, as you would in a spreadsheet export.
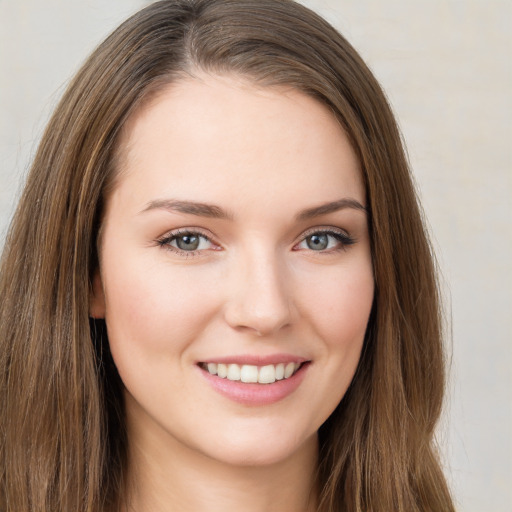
318	242
187	242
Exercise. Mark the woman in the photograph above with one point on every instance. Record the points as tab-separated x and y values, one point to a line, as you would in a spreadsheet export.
222	204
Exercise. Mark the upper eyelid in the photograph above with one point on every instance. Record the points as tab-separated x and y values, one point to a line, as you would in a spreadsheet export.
324	229
173	233
318	229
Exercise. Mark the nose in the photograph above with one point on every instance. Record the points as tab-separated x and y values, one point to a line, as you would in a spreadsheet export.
259	301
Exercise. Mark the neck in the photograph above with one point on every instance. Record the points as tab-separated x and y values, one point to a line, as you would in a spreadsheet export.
169	476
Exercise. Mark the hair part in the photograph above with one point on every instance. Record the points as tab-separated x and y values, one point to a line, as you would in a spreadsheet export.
62	439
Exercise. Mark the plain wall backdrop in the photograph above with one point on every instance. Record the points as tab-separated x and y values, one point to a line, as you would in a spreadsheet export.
446	67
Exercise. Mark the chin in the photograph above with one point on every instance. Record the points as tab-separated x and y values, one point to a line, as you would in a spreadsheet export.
261	451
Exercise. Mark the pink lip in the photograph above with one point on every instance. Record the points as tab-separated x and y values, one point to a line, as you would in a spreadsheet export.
255	394
256	360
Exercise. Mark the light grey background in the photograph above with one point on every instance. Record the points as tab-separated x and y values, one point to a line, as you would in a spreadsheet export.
446	66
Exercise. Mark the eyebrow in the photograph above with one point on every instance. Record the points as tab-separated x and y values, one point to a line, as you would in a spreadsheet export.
331	207
189	207
216	212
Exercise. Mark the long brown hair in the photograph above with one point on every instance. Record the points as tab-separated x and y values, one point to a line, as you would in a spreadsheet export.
62	443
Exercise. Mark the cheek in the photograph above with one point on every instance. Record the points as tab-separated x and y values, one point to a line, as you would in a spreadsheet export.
340	305
157	310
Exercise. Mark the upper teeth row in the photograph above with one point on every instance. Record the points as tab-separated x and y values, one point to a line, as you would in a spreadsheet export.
249	373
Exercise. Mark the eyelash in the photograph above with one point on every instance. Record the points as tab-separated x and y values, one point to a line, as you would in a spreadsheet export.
168	238
342	237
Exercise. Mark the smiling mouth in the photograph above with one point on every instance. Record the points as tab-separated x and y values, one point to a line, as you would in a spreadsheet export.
247	373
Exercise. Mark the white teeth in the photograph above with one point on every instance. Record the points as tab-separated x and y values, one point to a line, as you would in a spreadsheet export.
233	372
267	374
253	374
222	370
288	370
249	373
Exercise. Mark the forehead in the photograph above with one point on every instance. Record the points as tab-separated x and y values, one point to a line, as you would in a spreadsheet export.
227	137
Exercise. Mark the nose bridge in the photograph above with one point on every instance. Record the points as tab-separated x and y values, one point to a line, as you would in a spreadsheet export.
259	300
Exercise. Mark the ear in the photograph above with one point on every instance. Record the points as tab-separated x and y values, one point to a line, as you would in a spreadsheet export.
97	297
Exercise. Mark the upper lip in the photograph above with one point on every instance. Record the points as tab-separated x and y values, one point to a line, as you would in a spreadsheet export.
256	360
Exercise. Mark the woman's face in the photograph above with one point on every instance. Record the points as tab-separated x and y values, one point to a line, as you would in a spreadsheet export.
235	242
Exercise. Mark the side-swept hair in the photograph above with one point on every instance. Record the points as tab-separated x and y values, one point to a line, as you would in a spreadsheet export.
62	441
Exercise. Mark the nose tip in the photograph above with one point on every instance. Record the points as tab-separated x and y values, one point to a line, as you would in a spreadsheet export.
259	302
258	322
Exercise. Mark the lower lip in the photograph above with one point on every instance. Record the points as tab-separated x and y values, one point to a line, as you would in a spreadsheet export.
256	394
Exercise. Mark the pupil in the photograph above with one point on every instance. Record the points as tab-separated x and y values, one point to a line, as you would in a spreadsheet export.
318	242
188	242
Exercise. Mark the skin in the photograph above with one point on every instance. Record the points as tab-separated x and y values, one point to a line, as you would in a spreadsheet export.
254	286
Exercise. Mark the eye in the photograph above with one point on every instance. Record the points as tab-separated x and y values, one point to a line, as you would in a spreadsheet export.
186	242
325	240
